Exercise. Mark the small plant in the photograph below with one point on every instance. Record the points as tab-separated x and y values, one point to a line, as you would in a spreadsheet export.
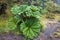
26	20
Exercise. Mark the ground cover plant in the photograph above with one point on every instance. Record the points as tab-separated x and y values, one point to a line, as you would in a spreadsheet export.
26	20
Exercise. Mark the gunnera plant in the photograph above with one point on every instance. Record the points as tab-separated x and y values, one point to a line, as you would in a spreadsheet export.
26	19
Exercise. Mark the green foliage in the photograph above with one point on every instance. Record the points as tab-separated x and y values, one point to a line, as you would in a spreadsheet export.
11	24
26	19
30	28
42	11
27	10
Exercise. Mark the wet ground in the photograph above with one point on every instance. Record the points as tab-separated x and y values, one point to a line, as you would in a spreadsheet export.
45	35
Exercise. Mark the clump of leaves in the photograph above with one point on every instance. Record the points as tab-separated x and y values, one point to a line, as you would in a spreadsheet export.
26	19
26	10
52	7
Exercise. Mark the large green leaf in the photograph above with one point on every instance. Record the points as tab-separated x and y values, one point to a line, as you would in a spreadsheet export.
18	9
15	9
30	28
11	26
12	23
